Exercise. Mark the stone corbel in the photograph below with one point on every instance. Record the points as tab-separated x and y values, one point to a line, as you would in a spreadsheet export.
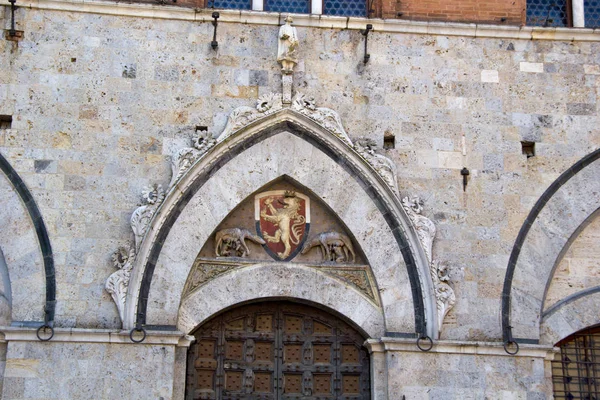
426	230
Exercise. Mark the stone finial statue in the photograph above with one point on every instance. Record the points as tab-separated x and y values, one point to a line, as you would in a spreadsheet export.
288	44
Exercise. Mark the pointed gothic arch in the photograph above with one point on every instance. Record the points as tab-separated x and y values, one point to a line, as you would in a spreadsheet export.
545	235
286	142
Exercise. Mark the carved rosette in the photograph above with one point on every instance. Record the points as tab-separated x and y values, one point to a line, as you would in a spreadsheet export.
118	282
152	197
184	158
385	167
444	294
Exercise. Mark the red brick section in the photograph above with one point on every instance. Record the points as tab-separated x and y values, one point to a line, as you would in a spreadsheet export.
501	12
504	12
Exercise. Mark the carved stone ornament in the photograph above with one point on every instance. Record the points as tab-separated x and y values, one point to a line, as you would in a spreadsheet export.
152	197
385	167
357	277
123	259
118	282
232	242
444	294
326	117
204	272
335	247
242	116
287	49
183	159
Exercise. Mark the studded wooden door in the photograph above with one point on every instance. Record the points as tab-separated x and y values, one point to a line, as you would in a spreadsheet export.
277	350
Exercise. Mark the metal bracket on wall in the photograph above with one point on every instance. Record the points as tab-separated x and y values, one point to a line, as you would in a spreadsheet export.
365	33
214	44
12	33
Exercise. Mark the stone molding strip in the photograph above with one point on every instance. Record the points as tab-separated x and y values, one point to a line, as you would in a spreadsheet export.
523	232
41	232
315	21
80	335
386	344
575	296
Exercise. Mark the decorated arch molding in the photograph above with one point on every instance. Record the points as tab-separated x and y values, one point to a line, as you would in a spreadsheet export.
557	215
308	145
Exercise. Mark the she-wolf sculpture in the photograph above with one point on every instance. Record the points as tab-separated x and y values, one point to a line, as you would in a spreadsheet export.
334	246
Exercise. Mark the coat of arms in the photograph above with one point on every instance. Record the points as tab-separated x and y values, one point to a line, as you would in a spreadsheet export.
282	220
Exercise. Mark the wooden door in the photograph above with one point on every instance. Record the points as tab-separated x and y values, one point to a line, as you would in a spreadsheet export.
277	350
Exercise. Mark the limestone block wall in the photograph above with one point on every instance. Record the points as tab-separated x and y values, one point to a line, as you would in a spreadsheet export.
455	375
101	364
99	102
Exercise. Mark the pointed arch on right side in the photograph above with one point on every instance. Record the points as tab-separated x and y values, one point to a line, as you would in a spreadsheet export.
561	210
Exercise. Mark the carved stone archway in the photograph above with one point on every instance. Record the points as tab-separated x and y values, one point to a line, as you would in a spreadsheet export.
259	145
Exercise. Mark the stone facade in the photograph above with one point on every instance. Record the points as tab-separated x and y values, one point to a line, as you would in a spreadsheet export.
102	98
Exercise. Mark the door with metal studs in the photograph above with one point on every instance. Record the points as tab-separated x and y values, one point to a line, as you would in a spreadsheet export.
277	350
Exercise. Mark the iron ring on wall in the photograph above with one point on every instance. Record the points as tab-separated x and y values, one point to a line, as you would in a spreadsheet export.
428	339
506	344
44	327
137	330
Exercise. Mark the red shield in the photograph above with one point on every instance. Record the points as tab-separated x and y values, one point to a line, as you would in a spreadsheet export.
283	221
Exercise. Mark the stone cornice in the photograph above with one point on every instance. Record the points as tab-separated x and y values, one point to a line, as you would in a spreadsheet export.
386	344
112	336
315	21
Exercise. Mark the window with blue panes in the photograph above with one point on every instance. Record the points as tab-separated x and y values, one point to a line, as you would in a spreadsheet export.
346	8
547	13
231	4
591	10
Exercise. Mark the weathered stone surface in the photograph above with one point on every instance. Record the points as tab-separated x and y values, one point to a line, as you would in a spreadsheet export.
96	117
87	370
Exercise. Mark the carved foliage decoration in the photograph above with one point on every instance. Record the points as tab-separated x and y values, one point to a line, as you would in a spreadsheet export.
118	281
385	167
242	116
444	294
183	159
324	116
358	277
152	197
204	272
123	259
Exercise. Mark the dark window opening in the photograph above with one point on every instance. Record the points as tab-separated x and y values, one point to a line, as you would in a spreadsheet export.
528	149
389	142
5	121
